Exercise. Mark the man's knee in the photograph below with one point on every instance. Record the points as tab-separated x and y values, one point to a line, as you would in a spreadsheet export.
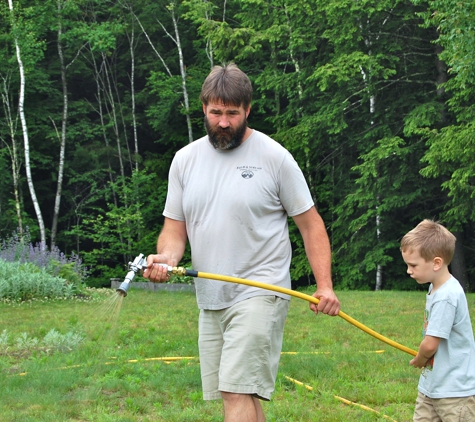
241	407
236	397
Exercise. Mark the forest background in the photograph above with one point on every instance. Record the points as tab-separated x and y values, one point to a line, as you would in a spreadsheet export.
374	98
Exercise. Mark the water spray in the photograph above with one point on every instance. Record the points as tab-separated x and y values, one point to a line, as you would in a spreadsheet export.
198	274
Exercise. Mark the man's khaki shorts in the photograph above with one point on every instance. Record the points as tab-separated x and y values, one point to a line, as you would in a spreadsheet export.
457	409
240	347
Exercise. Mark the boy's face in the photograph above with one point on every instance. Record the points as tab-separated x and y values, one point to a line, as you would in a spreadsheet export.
418	268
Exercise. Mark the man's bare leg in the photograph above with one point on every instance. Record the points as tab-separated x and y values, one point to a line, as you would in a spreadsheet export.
242	408
260	413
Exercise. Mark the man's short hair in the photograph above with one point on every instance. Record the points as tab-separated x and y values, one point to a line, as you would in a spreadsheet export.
228	85
431	239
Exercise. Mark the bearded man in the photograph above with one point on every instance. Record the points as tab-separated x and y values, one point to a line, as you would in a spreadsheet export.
230	194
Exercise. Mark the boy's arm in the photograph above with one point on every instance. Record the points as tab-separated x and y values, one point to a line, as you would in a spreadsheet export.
426	352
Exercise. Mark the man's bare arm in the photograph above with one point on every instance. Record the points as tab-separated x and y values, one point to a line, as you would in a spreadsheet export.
317	248
171	245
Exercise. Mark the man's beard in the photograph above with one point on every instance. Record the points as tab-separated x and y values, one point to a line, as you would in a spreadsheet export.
228	138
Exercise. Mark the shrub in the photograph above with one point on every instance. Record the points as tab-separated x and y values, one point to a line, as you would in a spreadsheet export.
55	341
26	342
4	340
20	249
25	281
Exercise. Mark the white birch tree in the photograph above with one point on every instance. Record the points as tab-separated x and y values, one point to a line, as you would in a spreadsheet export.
13	150
176	39
64	122
24	126
171	8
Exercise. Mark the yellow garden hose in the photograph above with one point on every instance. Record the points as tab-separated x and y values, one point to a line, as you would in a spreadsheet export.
140	263
199	274
362	406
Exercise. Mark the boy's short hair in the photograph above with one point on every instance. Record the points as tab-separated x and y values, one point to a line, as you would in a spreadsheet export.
431	239
228	85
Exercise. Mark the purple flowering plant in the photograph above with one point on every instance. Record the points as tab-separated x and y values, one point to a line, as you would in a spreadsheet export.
19	248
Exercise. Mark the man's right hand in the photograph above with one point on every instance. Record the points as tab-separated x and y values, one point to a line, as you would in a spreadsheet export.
155	272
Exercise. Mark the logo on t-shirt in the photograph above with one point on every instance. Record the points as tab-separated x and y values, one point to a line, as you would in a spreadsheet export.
247	172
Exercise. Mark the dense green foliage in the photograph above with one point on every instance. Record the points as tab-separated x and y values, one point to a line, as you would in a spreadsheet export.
373	98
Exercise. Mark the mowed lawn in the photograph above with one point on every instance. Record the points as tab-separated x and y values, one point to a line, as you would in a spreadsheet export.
139	362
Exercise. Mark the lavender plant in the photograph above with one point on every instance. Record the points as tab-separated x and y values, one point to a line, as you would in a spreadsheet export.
19	248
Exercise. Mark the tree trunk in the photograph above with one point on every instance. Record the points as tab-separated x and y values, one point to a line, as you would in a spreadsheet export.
153	47
183	77
112	112
24	126
372	110
64	119
14	156
101	118
104	85
132	94
177	42
379	268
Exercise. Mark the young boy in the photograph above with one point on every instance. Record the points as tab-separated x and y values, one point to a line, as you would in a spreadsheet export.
447	352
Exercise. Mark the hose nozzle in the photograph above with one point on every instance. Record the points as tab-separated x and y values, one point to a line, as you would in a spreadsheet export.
140	263
124	286
134	267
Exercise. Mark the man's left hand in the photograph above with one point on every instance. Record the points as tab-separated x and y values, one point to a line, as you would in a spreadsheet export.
329	303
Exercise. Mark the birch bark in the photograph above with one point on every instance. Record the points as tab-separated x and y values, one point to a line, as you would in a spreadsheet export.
21	111
13	154
64	121
176	40
132	94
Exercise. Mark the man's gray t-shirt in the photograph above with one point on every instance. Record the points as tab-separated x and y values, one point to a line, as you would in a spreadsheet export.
447	317
235	204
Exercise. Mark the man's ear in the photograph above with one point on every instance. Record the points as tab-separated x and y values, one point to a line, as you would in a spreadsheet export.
248	111
438	262
204	108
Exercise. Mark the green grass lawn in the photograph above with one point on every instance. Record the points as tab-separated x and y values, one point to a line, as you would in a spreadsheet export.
118	373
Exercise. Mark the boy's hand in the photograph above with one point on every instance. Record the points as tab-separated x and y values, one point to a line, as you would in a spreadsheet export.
426	353
421	361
